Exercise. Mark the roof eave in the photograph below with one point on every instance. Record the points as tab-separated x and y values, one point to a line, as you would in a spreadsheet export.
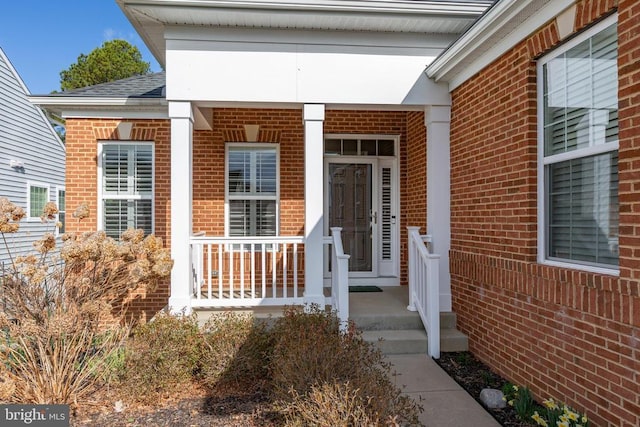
59	104
355	6
147	18
487	39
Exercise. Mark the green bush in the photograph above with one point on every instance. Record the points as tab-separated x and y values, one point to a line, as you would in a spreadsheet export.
161	356
236	352
312	363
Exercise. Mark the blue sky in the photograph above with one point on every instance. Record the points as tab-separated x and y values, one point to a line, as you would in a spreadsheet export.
43	37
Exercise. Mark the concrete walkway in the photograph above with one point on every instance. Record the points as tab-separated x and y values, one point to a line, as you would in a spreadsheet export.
445	403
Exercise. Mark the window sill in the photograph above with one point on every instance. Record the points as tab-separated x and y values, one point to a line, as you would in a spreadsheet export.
588	268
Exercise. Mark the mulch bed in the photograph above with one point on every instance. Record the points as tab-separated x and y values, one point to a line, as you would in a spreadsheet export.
198	408
195	409
473	376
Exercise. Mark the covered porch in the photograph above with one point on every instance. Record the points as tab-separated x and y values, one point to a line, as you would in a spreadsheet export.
310	97
303	258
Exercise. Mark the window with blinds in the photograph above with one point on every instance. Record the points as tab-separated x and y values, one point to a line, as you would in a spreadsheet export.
252	189
580	148
127	188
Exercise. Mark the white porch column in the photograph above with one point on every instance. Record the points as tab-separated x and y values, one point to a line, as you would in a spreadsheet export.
181	116
437	121
313	116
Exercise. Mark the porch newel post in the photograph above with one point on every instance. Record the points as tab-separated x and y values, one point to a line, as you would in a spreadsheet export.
313	116
437	121
181	116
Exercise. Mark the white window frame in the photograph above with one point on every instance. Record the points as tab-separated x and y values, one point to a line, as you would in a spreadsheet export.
58	190
102	197
227	198
32	184
543	160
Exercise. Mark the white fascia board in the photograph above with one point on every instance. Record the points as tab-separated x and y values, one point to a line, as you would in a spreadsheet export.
46	101
178	37
476	39
83	107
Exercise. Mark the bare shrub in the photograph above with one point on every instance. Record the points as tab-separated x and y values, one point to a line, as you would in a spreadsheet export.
311	358
330	404
237	352
57	323
160	357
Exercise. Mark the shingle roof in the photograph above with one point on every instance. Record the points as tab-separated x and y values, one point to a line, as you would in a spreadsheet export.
145	86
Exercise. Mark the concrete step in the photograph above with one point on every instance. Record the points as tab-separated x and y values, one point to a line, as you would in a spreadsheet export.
414	341
448	320
403	333
403	320
453	340
398	341
388	321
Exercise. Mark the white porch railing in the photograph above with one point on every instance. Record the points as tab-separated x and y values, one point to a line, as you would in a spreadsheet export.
424	291
339	277
246	271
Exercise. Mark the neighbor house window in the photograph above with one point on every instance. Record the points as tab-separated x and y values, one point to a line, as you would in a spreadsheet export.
62	209
252	189
126	187
579	149
38	197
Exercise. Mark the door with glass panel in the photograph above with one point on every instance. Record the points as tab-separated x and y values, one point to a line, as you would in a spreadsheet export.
351	203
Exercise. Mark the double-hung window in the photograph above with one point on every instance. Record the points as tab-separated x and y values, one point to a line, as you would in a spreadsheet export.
38	197
252	189
126	187
578	150
62	209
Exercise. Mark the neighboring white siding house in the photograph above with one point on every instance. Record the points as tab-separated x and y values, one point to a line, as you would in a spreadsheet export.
32	159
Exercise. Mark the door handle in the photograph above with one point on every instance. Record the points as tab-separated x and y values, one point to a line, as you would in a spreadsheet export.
374	217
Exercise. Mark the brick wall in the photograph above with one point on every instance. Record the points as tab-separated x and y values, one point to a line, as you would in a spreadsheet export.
82	138
565	333
414	184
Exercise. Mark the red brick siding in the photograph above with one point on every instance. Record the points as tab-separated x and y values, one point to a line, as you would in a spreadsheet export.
415	180
493	155
82	138
568	334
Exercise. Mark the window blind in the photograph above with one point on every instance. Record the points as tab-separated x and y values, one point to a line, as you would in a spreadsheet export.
580	112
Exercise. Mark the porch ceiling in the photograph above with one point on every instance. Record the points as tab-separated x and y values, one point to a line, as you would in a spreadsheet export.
152	17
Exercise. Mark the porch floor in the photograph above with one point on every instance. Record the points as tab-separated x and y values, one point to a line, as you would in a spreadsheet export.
393	300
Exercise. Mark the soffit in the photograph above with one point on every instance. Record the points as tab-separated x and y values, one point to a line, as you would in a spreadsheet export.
151	17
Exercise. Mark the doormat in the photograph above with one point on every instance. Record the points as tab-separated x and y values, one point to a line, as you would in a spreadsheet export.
364	289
